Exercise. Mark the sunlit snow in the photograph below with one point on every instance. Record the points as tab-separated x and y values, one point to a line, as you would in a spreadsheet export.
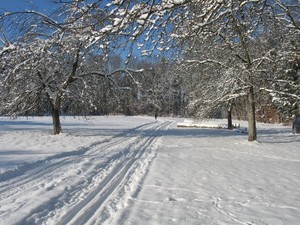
136	170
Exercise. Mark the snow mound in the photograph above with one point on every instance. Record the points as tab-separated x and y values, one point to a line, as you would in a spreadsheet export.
210	123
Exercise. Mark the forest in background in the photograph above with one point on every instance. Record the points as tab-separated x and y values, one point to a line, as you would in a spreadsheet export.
175	57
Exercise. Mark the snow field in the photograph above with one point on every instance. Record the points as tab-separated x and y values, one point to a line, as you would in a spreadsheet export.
208	176
134	170
77	185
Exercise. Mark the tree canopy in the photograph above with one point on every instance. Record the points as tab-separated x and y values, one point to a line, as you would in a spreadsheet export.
214	54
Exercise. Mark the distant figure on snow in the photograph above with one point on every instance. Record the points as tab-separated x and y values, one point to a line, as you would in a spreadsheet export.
155	115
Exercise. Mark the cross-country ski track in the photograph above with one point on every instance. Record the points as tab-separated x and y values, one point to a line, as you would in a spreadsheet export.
90	183
135	170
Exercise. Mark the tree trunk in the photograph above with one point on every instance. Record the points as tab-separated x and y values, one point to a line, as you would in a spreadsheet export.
56	118
229	117
251	116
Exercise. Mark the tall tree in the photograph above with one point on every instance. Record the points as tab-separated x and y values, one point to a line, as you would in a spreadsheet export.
48	62
236	26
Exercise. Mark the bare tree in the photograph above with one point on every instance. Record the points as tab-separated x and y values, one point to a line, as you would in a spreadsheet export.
48	63
63	42
237	27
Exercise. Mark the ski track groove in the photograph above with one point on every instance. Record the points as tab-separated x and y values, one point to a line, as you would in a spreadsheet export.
96	199
21	170
109	184
46	166
110	173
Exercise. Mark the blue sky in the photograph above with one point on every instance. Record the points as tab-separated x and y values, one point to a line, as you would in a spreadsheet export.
17	5
43	6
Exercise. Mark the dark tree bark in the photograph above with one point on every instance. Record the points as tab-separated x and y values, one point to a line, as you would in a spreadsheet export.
229	117
252	136
55	107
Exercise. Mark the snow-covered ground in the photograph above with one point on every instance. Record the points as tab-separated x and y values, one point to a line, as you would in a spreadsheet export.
135	170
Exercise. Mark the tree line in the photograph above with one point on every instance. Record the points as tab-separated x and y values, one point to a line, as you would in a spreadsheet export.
206	59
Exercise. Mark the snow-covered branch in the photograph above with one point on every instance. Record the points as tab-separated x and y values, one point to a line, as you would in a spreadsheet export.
280	93
207	61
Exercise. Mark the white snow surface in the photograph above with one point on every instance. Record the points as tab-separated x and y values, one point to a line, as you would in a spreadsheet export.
135	170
